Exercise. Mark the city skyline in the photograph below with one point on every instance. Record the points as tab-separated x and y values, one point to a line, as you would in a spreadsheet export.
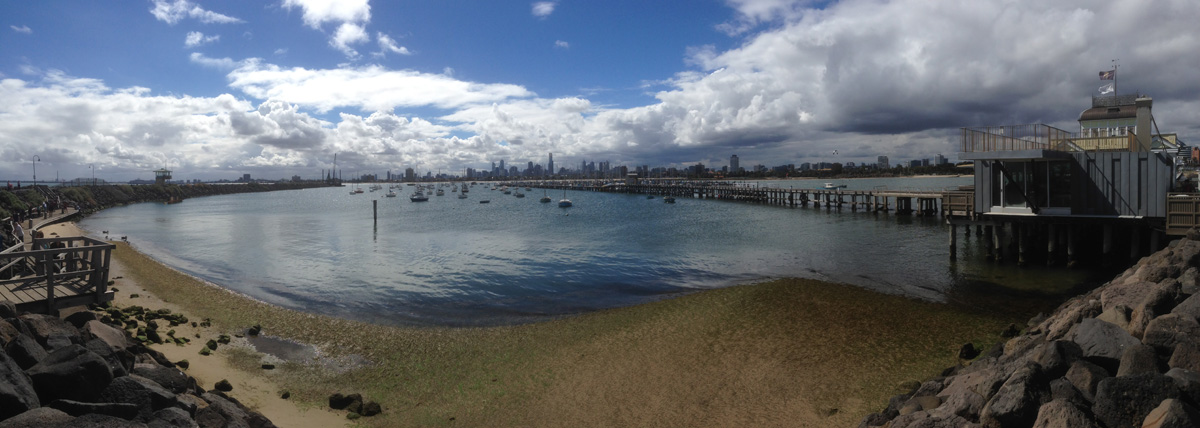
213	89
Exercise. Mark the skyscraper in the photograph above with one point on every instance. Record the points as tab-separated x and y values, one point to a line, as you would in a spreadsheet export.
882	162
550	165
733	164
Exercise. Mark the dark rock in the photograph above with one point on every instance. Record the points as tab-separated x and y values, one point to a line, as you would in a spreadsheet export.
114	337
967	393
120	361
1102	341
1062	414
931	387
80	318
231	410
337	401
141	391
1018	400
79	408
16	389
268	366
190	403
1062	389
926	420
51	332
1164	332
1056	357
286	395
1075	310
1127	293
1188	383
1086	377
254	331
371	408
967	352
223	386
95	420
1011	331
172	417
355	404
211	344
38	418
25	351
72	373
209	417
872	420
7	332
7	309
1172	413
915	404
1125	401
169	377
1138	359
1190	307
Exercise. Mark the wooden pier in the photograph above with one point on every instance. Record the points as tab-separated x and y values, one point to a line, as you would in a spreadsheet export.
50	273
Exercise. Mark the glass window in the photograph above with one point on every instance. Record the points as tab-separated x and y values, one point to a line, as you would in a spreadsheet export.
1060	184
1014	184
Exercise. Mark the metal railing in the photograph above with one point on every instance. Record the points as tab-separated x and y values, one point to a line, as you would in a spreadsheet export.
1011	137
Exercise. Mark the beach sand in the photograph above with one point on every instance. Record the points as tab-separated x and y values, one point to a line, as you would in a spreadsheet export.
789	352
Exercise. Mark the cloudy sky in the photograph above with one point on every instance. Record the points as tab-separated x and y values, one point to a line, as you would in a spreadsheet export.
214	89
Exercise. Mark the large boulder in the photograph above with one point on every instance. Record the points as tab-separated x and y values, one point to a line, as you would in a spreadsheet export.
7	332
1103	342
1056	357
169	378
1187	381
1125	401
1017	401
1060	324
25	351
968	393
16	389
51	331
1138	359
40	417
172	417
1062	414
1189	307
1185	356
120	361
7	309
79	408
1172	413
1164	332
1128	293
1086	377
114	337
72	373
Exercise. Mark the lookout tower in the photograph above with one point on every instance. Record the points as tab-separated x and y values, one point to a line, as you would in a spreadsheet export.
161	176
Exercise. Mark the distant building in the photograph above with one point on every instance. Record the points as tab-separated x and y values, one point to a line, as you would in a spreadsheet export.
162	175
550	164
882	162
733	164
410	175
296	178
939	160
246	177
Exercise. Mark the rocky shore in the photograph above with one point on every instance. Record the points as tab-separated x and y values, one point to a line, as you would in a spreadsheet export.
86	370
1126	354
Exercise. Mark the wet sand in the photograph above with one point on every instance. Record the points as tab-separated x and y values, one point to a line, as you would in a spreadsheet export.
788	352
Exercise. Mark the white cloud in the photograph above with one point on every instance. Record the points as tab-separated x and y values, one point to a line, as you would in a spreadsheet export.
24	29
562	44
371	88
218	63
281	51
387	44
348	34
318	12
173	12
196	38
543	9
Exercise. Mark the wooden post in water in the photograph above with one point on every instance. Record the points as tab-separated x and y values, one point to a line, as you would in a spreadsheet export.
987	242
953	242
1021	233
998	242
1071	241
375	210
1050	247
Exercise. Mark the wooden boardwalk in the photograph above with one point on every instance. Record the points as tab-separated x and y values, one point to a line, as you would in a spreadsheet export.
944	202
47	274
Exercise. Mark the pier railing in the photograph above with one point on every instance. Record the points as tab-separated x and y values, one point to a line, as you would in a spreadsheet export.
56	273
1183	212
1011	137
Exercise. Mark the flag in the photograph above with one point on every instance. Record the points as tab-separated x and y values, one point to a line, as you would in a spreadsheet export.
1108	75
1106	89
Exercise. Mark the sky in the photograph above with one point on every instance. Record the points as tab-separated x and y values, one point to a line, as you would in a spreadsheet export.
216	89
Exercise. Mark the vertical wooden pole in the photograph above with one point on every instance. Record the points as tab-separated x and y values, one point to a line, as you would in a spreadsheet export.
987	242
375	210
953	241
1108	239
1071	242
1050	244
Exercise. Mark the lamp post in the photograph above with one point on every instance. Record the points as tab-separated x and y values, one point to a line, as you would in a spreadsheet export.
35	160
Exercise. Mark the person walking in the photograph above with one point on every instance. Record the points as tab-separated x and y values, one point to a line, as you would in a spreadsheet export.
18	232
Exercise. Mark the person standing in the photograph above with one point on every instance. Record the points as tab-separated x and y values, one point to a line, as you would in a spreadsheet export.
18	232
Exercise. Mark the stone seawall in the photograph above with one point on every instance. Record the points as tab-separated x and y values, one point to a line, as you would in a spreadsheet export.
1126	354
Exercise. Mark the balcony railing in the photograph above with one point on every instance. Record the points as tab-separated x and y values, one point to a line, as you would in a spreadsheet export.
1012	137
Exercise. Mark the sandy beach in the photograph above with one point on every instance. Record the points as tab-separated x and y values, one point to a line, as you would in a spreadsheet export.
788	352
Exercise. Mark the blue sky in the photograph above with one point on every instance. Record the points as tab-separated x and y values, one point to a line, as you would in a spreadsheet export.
215	89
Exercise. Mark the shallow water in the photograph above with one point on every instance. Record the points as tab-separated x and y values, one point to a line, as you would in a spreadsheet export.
455	261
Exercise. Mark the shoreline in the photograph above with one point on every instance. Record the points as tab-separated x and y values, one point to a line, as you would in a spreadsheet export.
780	353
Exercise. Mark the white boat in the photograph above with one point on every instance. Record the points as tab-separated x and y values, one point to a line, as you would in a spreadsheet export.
834	186
418	197
391	193
564	202
441	192
545	198
358	190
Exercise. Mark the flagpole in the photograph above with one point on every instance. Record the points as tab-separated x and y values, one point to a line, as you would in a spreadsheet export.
1115	65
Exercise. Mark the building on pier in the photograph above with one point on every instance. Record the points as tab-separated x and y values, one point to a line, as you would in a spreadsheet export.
1040	186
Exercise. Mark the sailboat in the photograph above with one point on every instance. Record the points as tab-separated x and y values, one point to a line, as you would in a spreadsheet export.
564	202
545	198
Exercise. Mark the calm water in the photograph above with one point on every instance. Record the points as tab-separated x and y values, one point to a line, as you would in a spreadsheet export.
455	261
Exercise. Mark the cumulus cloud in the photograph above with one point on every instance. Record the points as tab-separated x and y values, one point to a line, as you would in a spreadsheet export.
351	17
24	29
561	44
173	12
388	45
370	88
543	9
217	63
348	34
196	38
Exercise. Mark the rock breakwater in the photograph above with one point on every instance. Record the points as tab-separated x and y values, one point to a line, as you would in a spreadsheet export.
1126	354
86	370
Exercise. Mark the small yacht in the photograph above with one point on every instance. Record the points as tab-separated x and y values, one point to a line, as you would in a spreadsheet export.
545	198
834	186
669	199
391	193
419	196
519	194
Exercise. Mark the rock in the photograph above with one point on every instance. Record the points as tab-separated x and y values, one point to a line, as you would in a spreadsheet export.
967	393
38	418
914	404
1172	413
926	420
1017	401
230	410
1186	356
1187	381
80	318
119	361
872	420
1138	359
25	351
114	337
7	309
355	404
169	377
1164	332
172	417
1189	307
147	394
1010	332
1086	377
95	420
1117	315
931	387
1188	283
1102	341
78	408
1062	414
7	332
372	408
268	366
51	332
1128	294
72	373
968	352
337	401
223	386
1159	300
1056	357
190	402
209	417
1060	324
16	389
1062	389
1125	401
